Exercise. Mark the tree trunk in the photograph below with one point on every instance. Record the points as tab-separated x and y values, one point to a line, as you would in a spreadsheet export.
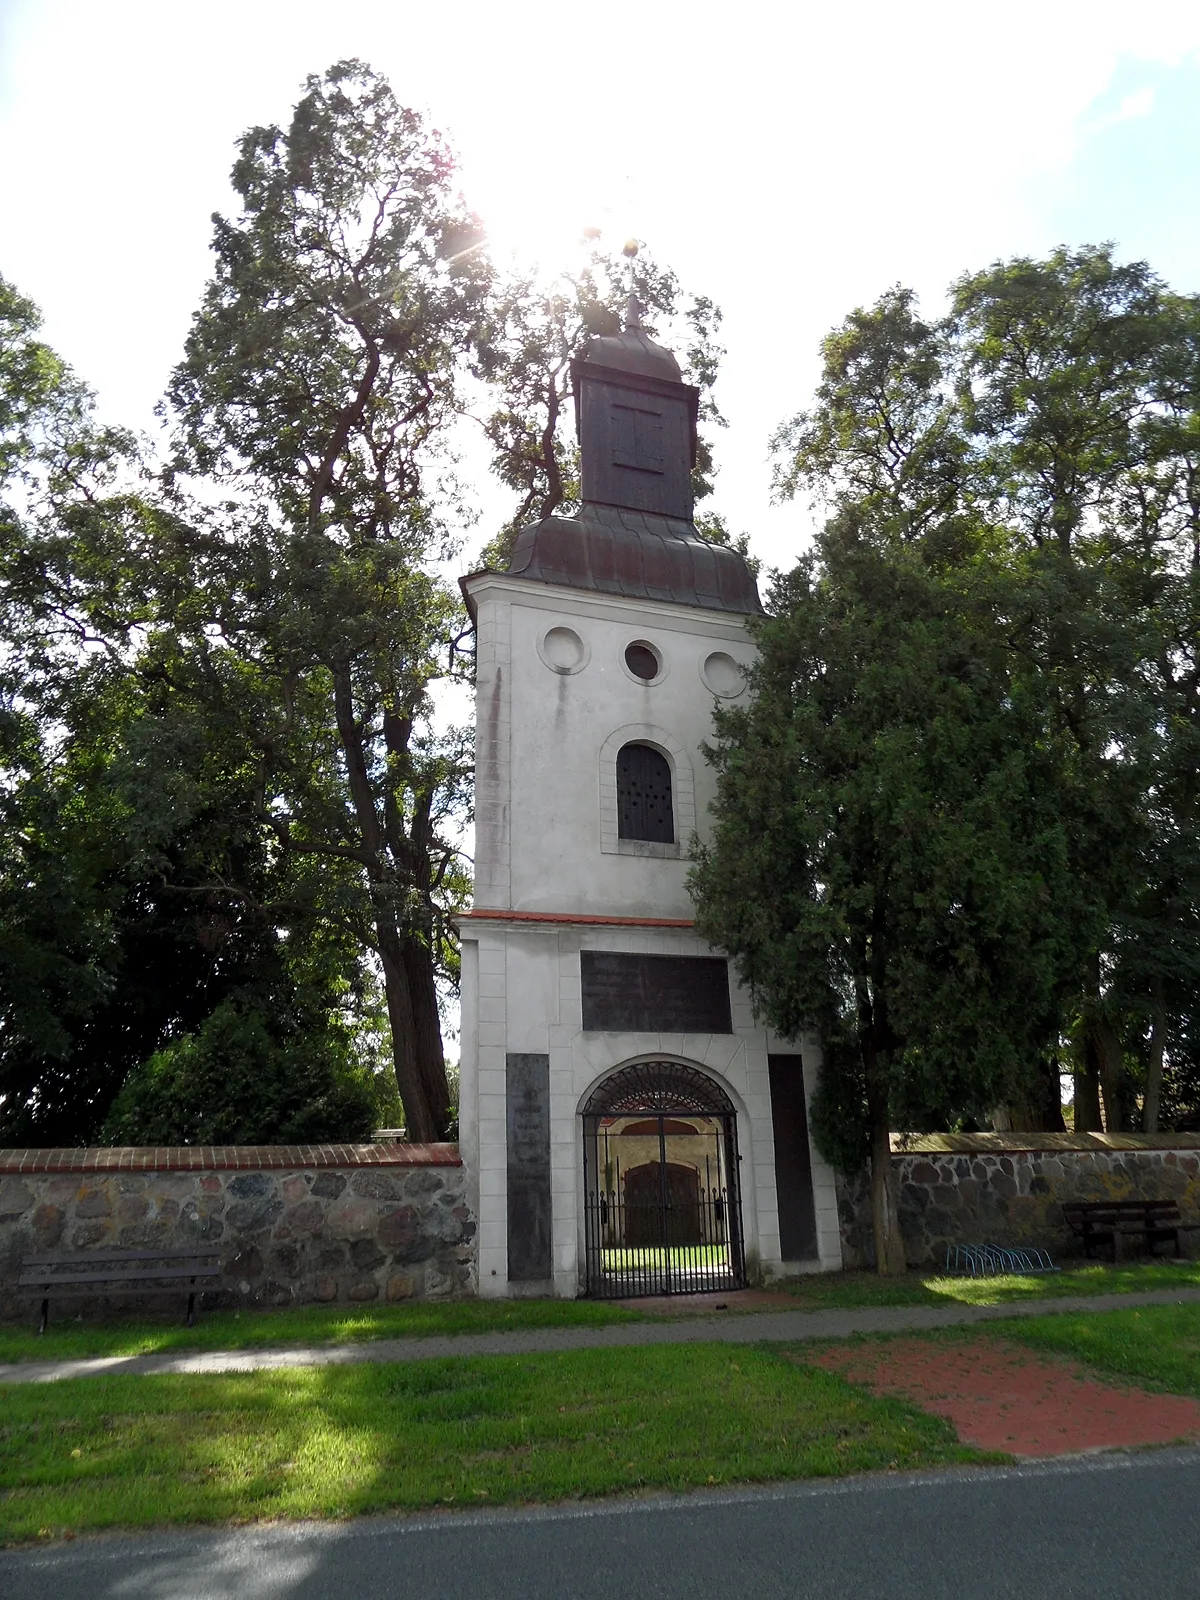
1154	1067
1052	1112
1102	1051
424	1119
1040	1111
427	1032
408	983
1110	1069
1087	1102
885	1212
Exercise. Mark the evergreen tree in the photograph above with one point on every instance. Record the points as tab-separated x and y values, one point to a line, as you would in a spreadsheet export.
888	863
956	830
320	379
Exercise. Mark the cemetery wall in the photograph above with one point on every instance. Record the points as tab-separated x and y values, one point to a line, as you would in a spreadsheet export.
344	1224
1008	1189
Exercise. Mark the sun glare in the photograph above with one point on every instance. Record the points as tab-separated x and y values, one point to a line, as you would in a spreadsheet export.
548	226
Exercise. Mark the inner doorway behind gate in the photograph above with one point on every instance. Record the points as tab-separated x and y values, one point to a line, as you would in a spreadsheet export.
662	1203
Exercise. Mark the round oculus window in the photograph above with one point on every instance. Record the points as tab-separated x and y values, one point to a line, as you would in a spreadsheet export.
563	651
722	675
643	661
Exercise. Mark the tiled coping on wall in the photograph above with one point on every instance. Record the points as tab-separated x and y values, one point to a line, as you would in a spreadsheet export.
966	1143
229	1158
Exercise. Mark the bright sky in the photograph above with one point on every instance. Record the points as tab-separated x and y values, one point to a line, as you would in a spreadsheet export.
792	160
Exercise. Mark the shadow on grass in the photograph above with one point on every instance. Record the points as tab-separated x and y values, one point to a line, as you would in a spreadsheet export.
465	1432
305	1325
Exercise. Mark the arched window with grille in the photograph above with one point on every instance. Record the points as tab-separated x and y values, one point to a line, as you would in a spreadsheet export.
644	809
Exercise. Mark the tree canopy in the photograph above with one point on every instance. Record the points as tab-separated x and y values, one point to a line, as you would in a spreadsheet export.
544	327
955	829
235	803
129	808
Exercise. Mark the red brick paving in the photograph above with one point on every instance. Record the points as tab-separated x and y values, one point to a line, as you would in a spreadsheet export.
1002	1397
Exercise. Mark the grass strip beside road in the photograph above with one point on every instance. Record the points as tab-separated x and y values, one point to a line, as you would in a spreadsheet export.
66	1340
1156	1347
335	1442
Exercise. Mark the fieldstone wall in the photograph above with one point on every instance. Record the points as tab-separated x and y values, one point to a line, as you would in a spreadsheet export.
335	1224
1008	1189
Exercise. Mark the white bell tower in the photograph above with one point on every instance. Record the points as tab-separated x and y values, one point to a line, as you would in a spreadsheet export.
626	1126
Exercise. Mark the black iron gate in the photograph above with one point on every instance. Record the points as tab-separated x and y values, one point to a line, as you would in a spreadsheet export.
665	1217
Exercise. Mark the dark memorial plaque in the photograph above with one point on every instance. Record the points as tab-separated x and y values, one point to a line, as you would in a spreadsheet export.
527	1105
793	1170
624	993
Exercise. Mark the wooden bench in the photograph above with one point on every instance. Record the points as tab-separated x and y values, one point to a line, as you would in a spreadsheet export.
88	1271
1115	1224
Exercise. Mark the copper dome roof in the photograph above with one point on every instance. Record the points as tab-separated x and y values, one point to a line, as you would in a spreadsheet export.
634	350
610	550
634	535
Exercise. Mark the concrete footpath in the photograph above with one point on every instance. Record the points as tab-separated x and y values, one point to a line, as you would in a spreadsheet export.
781	1327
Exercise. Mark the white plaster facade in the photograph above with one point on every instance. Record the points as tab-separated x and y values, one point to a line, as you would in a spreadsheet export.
555	701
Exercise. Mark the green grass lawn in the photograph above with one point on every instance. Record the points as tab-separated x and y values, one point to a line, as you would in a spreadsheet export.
1154	1346
242	1330
305	1325
849	1290
326	1442
329	1442
653	1258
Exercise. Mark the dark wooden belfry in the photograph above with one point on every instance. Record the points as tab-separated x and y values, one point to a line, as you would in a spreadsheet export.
633	533
637	424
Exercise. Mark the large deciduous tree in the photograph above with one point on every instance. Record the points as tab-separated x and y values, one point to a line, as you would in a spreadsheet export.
1080	393
127	806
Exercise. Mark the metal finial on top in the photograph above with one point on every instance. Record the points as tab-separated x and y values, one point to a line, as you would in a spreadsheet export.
633	306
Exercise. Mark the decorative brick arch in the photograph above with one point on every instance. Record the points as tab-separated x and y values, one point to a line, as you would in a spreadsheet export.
682	1231
659	1083
692	1064
683	791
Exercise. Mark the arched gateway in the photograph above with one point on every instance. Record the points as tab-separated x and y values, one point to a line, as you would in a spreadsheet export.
662	1204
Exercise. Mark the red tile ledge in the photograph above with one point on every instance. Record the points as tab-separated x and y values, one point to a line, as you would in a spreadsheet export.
576	919
228	1158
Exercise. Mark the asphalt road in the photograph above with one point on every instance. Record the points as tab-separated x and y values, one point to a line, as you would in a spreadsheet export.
1106	1526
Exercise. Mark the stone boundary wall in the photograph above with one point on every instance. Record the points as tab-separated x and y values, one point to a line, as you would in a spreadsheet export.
344	1224
1008	1189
